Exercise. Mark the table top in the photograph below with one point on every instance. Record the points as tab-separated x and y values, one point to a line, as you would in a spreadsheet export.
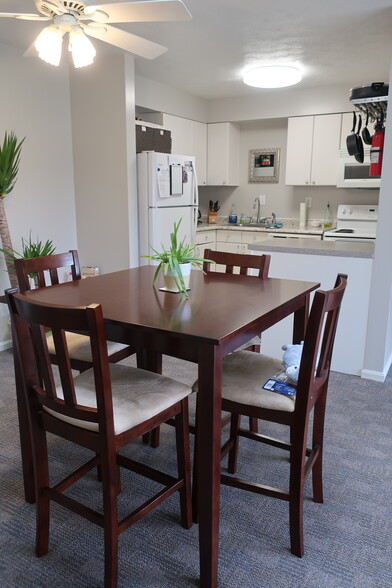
218	307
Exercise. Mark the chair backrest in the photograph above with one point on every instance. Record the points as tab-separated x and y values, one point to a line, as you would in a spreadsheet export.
30	320
318	344
47	265
232	260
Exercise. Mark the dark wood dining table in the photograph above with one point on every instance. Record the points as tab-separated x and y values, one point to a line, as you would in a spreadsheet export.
222	313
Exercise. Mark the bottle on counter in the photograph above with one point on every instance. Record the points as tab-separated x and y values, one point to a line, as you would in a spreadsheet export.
328	217
233	215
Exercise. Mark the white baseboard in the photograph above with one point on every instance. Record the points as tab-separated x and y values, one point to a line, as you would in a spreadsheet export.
377	376
5	345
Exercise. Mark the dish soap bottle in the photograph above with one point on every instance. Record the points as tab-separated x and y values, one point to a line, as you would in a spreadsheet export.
233	215
328	217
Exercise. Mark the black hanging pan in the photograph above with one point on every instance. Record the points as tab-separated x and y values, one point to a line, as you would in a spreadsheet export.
359	156
352	140
366	136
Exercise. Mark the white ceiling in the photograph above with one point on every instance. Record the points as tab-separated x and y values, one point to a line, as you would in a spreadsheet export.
334	41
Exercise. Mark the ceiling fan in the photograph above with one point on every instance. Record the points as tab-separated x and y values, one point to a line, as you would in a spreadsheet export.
79	19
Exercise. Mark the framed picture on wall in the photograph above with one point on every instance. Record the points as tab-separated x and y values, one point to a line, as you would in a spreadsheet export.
264	165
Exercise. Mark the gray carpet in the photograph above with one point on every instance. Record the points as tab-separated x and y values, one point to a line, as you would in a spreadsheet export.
347	539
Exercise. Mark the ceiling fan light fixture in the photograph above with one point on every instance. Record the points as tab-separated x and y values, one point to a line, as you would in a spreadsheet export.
49	44
273	76
83	51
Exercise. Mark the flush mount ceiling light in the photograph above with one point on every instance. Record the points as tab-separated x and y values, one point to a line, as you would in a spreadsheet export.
273	76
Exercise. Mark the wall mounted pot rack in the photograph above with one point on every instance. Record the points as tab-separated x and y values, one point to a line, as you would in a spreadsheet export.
372	99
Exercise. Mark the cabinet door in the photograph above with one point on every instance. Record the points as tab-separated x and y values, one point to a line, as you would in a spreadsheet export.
181	134
223	154
200	151
229	247
325	153
299	150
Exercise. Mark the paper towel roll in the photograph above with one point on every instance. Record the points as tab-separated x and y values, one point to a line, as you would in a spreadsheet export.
302	215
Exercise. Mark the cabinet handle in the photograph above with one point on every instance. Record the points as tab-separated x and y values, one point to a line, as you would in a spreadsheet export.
306	181
313	182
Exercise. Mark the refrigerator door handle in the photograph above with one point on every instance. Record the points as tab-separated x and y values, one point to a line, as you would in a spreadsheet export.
195	188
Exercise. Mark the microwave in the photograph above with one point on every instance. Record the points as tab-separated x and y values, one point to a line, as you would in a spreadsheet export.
352	174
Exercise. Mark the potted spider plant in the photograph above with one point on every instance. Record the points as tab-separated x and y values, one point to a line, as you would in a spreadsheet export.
176	263
30	249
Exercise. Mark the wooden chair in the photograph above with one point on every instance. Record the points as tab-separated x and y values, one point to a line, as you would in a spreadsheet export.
230	261
102	409
46	269
244	374
243	263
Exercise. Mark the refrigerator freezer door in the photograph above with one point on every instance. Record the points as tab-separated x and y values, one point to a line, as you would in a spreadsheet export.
160	225
155	180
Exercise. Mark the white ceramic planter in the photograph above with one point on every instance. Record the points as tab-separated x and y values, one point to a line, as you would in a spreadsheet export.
169	282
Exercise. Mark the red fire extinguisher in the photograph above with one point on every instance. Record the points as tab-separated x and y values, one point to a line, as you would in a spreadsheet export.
376	150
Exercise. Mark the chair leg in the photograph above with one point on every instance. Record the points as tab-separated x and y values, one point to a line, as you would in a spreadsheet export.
42	501
110	514
318	438
297	471
233	453
253	425
183	464
146	437
155	437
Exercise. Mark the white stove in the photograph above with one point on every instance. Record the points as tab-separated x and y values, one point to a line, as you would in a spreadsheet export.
354	222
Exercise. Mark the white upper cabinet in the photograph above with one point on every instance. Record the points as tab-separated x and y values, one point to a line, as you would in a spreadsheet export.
223	154
200	151
312	150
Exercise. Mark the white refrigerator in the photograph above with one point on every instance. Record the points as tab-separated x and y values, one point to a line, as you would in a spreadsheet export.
167	192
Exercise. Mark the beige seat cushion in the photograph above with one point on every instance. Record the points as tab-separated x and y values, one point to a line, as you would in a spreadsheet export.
244	374
137	396
79	346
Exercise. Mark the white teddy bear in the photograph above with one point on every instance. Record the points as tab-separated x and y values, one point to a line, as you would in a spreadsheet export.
291	361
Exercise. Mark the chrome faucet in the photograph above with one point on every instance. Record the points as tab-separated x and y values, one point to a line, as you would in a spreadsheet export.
273	218
257	203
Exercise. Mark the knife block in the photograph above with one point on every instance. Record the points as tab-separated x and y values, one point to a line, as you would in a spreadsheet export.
212	217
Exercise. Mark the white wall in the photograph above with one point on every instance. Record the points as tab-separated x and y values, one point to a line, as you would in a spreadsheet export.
34	102
281	102
378	354
281	199
153	95
103	114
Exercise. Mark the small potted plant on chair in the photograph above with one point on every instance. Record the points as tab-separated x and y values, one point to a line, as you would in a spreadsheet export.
176	263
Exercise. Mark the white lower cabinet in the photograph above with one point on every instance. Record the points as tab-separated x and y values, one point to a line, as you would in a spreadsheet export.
205	240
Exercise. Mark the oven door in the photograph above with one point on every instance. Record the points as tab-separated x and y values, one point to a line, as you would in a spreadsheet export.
341	239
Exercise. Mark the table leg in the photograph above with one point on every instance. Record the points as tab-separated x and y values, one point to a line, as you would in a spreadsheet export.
300	320
209	443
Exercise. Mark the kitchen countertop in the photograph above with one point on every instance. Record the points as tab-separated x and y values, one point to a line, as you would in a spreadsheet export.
291	226
315	247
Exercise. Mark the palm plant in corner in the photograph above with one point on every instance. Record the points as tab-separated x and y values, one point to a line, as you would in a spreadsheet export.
9	167
176	263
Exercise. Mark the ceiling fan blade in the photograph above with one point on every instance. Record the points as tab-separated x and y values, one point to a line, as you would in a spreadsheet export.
143	11
23	16
50	6
127	41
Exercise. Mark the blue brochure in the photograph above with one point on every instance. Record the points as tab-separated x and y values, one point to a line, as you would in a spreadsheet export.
279	387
